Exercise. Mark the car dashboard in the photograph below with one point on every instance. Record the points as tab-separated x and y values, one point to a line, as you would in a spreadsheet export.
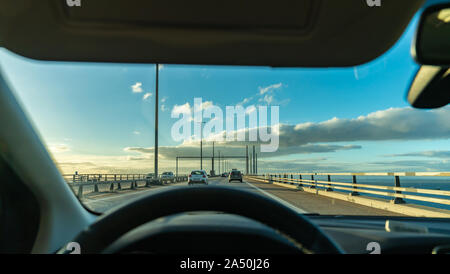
391	235
221	233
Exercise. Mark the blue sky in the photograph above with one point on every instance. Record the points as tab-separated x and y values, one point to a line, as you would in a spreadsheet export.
100	117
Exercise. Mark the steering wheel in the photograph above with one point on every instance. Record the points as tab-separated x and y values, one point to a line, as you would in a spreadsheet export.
308	237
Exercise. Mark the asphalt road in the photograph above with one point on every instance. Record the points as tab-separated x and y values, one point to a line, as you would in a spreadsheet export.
299	201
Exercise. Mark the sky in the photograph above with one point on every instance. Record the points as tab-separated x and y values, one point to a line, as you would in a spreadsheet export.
99	118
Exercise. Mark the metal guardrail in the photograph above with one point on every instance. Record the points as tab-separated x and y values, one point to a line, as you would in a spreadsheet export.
396	192
80	181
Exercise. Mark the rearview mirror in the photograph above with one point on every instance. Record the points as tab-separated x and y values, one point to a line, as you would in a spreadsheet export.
432	45
430	88
431	49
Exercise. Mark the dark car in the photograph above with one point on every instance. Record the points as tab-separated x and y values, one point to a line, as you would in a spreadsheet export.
235	175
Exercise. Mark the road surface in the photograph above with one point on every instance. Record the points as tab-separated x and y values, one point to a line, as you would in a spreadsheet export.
301	202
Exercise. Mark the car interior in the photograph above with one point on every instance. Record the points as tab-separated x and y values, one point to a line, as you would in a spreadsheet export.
41	214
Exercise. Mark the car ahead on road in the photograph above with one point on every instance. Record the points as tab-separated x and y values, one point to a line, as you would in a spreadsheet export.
198	177
224	174
150	176
168	176
235	175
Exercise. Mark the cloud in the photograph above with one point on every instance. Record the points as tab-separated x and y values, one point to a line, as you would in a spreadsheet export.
250	109
244	101
302	165
181	109
102	164
401	124
187	109
193	149
385	125
267	98
132	158
430	153
309	165
136	132
265	94
146	96
137	88
163	105
204	105
120	163
264	90
76	164
58	148
412	165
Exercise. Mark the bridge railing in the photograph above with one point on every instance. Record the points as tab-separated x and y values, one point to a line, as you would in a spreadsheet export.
79	182
396	192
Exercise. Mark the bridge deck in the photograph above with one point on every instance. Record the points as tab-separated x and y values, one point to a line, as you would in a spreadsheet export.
302	201
319	204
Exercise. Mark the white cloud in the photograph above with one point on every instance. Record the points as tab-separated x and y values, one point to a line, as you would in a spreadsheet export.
146	96
250	109
390	124
244	101
206	105
133	158
137	88
306	138
191	148
264	90
58	148
163	105
268	99
385	125
265	94
136	132
179	109
429	153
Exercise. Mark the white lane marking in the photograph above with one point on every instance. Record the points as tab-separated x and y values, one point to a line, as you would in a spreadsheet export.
291	206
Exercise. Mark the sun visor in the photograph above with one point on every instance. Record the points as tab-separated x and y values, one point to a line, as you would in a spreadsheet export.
282	33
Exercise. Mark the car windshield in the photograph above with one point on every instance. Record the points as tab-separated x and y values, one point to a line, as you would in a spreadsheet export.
293	132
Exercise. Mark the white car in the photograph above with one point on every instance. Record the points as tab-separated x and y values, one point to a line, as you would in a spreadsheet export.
150	176
168	176
198	177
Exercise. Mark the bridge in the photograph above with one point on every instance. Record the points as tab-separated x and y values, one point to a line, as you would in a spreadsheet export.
368	194
251	160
